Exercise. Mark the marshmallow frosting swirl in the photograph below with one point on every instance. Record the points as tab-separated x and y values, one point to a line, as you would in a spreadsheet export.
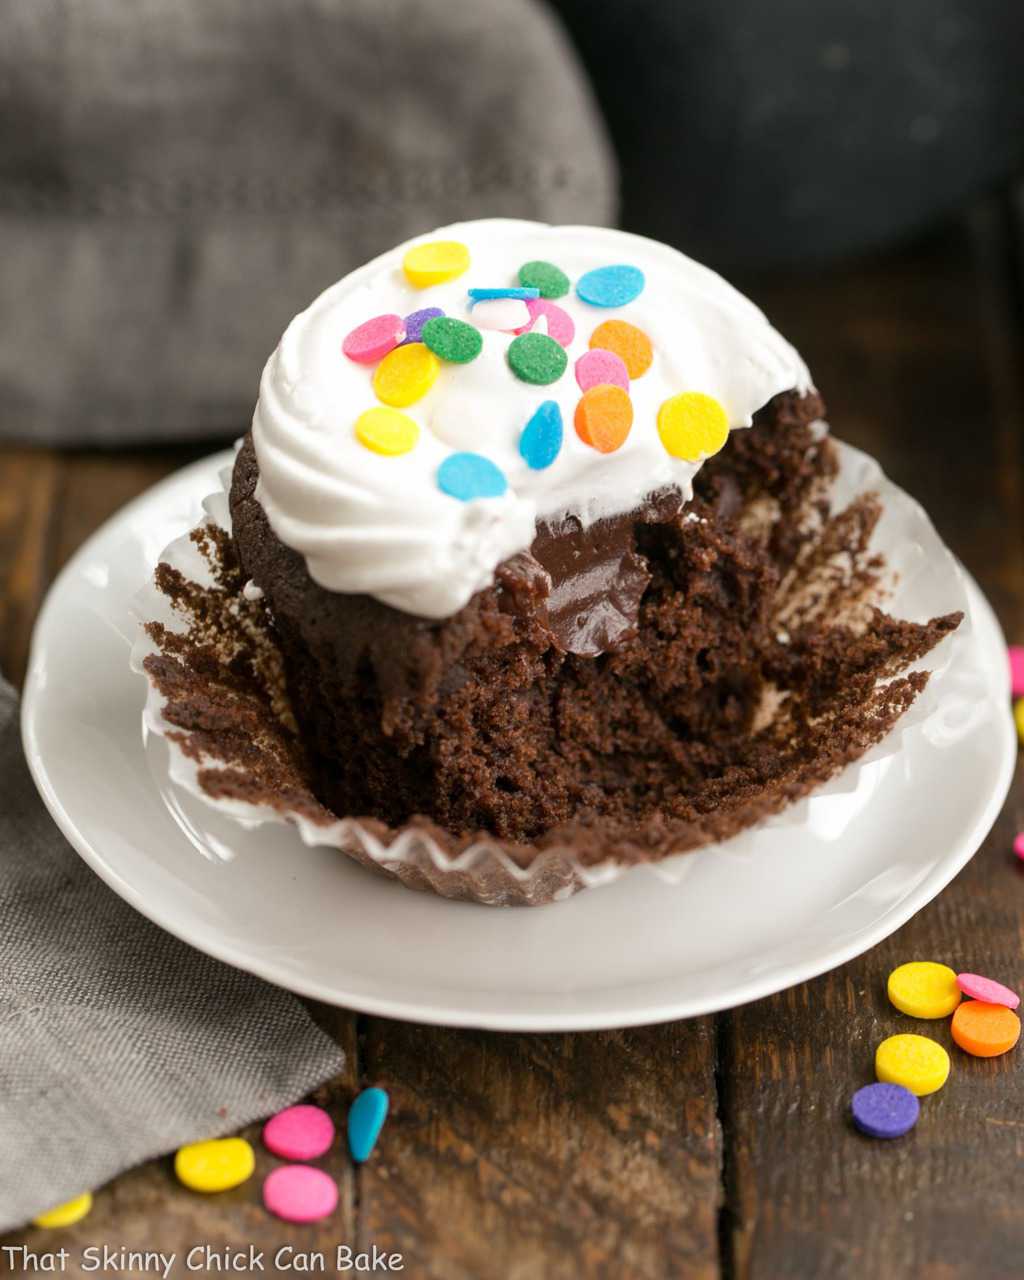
368	523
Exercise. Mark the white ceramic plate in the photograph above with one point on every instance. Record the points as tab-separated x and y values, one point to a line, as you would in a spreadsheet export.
773	907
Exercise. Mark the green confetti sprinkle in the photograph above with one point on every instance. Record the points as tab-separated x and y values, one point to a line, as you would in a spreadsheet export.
536	358
452	340
545	276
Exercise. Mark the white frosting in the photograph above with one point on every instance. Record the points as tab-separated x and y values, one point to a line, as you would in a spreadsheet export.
380	525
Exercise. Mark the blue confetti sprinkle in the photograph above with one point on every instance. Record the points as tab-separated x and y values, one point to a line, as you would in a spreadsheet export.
486	295
542	437
366	1118
611	286
416	320
885	1110
470	475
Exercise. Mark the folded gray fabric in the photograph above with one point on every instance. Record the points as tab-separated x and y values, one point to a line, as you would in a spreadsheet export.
117	1042
179	177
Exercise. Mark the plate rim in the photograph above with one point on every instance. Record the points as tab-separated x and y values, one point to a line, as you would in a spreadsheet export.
754	988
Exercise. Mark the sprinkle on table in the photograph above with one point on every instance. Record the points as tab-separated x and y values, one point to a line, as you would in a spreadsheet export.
537	358
630	344
987	989
541	440
366	1118
65	1215
555	319
452	340
603	418
405	375
985	1030
919	1064
300	1193
304	1132
884	1110
213	1166
373	339
491	295
1016	656
1018	719
415	321
387	431
435	262
595	367
470	475
610	286
551	281
924	989
1018	845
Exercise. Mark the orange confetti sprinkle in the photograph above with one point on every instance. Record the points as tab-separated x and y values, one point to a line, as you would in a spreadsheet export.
985	1030
603	417
630	344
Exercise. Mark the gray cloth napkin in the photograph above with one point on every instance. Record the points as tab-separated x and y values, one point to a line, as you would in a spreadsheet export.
117	1042
179	177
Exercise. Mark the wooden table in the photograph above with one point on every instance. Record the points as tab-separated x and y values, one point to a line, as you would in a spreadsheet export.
718	1147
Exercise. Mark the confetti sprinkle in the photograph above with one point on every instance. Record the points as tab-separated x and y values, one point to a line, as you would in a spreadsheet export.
884	1110
299	1133
365	1121
65	1215
924	989
387	431
215	1166
610	286
1018	845
490	295
541	440
537	358
630	344
555	319
453	340
507	314
987	989
299	1193
470	475
548	279
405	375
372	340
1016	655
985	1030
415	321
1018	719
919	1064
435	262
595	367
603	418
692	426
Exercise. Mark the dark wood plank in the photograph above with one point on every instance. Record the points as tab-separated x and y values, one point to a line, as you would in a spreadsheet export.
561	1157
29	483
907	357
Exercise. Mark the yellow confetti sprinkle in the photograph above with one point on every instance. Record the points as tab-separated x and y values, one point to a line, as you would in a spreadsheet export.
65	1215
218	1165
387	431
1018	716
405	375
692	425
435	262
924	989
919	1064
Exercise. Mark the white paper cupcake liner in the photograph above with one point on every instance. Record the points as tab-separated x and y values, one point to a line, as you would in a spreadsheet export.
922	580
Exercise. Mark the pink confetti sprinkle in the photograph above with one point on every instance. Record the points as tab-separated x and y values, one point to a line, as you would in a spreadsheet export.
986	989
596	367
300	1193
1016	652
1018	845
558	321
373	339
299	1133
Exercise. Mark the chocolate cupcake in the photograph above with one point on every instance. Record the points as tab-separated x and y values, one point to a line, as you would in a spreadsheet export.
538	522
